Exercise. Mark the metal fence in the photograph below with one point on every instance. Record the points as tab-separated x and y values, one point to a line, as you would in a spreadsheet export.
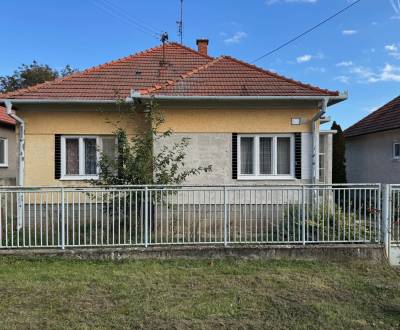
165	215
394	214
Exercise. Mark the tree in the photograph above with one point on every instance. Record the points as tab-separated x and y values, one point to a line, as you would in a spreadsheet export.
338	155
31	75
137	163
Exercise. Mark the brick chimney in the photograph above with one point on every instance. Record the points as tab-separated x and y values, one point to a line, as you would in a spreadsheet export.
202	46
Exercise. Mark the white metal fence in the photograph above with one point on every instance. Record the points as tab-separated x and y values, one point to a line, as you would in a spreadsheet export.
394	226
165	215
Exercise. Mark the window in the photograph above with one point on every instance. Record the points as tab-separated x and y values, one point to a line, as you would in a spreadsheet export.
265	156
396	150
80	155
3	152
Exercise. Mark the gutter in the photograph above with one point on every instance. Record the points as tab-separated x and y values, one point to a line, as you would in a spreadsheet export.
59	101
21	142
331	99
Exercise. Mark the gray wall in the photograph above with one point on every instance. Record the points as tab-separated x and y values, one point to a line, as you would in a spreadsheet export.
216	149
8	174
369	158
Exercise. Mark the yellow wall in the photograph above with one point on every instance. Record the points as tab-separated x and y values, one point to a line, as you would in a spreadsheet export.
237	120
42	126
43	123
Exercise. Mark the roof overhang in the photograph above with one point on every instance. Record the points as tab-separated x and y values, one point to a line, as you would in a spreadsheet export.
331	100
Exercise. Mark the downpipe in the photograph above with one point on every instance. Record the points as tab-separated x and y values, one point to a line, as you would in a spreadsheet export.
21	161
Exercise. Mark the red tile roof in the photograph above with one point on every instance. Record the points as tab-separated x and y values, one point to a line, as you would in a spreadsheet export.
5	118
228	76
385	118
185	72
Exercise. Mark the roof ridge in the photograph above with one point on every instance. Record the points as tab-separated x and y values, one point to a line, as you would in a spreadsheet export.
191	49
183	76
293	81
81	73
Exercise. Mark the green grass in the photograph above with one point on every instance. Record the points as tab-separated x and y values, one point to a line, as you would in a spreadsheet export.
65	294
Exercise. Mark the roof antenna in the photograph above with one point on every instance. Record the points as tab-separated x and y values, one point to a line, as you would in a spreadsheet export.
180	24
164	39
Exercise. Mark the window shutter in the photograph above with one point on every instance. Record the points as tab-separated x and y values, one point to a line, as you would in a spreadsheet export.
234	156
297	153
57	156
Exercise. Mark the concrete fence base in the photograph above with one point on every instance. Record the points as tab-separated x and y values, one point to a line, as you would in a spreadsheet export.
336	252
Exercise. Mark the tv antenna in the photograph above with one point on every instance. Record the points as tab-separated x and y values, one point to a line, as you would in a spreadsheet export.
180	24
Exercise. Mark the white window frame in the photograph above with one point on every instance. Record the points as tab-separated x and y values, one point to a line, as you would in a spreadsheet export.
81	176
256	158
394	151
5	164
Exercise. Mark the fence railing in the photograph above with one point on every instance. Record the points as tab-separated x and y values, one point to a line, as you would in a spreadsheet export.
394	225
166	215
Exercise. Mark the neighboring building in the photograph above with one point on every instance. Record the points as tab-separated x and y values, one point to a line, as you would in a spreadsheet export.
251	125
373	146
8	152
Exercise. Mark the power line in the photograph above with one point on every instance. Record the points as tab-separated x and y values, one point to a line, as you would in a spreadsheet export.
119	13
307	31
139	21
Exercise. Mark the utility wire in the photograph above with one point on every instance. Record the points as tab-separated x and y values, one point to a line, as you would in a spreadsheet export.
118	13
307	31
139	21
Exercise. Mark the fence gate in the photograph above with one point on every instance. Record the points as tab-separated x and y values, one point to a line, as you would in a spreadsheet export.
394	224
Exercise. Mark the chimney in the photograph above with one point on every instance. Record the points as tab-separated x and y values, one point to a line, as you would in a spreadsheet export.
202	46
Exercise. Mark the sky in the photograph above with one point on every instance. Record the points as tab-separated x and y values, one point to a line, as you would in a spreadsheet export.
358	51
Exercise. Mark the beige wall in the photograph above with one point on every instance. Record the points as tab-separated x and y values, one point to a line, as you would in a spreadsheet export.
41	127
237	120
43	122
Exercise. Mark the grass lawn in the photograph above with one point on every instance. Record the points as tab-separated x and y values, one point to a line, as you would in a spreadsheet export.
65	294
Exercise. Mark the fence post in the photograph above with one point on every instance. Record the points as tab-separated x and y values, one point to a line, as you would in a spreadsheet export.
386	217
146	216
303	214
62	219
225	218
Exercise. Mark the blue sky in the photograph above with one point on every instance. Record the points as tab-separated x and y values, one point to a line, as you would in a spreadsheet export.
358	51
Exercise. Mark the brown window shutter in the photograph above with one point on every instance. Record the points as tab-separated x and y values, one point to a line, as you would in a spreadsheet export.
234	156
297	153
57	156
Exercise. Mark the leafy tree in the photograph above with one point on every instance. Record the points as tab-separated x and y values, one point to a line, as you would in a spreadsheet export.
138	164
338	155
30	75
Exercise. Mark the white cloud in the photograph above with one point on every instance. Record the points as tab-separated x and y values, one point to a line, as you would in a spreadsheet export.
343	79
367	75
391	48
345	64
236	38
304	58
316	69
349	32
372	109
272	2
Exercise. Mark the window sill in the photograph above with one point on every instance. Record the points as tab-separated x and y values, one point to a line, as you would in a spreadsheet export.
3	165
79	178
266	178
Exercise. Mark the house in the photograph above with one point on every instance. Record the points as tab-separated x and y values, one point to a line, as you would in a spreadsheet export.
8	153
373	146
250	124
